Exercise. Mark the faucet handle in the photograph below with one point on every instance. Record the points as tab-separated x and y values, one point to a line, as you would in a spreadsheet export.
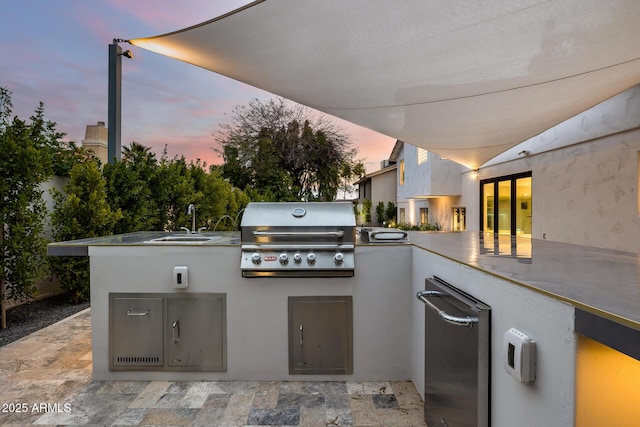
185	229
200	230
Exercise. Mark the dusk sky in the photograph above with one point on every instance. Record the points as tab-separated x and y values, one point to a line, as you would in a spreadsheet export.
56	51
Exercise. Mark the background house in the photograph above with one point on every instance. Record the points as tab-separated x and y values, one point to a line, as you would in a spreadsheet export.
377	186
429	189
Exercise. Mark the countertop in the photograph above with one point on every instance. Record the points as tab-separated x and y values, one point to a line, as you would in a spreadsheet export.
80	247
600	281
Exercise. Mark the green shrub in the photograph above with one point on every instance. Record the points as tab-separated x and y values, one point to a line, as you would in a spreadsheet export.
419	227
381	214
366	210
390	212
81	211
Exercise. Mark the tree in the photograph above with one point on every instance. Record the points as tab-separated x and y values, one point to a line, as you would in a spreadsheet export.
366	210
81	211
211	195
172	191
154	195
285	151
350	173
390	213
380	213
26	162
128	188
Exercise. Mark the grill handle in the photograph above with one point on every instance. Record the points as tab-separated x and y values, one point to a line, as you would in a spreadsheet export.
454	320
298	233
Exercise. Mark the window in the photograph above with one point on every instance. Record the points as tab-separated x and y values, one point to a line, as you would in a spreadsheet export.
424	215
401	172
402	215
506	204
423	155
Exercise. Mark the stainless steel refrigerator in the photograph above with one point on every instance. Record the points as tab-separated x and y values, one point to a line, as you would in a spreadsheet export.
457	356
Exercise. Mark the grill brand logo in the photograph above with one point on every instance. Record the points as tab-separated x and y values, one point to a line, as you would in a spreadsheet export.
270	258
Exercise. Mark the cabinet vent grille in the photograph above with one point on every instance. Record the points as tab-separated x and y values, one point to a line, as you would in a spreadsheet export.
137	360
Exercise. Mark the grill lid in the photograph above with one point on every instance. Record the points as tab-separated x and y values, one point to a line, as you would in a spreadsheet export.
299	222
309	214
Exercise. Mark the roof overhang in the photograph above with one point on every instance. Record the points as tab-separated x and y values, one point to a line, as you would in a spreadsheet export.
467	80
395	152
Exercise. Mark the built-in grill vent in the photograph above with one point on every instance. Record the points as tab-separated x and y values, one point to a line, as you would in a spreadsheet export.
138	360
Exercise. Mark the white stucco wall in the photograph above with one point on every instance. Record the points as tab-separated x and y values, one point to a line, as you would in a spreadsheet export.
417	180
257	321
433	177
440	211
57	182
594	197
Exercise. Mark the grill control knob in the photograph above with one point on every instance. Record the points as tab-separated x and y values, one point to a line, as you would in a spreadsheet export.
311	258
338	258
297	258
283	258
256	258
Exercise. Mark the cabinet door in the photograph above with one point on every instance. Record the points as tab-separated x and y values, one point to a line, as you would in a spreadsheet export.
196	332
136	333
320	335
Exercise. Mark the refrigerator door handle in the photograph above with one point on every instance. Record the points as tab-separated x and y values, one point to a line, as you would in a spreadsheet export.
467	321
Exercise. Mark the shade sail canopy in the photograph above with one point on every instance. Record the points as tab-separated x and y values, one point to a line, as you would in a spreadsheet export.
465	79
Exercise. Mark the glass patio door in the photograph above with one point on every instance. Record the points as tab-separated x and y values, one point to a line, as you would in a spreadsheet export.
506	204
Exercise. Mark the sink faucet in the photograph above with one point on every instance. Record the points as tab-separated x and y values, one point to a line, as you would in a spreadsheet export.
191	210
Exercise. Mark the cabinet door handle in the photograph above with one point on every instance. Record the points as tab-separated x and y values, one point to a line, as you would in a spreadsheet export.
175	331
138	313
301	334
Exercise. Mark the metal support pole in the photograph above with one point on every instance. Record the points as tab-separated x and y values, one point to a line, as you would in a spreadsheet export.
115	95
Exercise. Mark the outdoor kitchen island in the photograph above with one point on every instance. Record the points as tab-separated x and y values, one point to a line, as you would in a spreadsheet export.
541	288
257	330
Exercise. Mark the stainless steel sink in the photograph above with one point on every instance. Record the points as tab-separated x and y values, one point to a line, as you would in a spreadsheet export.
184	239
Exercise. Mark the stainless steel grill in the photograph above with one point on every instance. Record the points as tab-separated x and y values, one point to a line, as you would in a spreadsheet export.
291	239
